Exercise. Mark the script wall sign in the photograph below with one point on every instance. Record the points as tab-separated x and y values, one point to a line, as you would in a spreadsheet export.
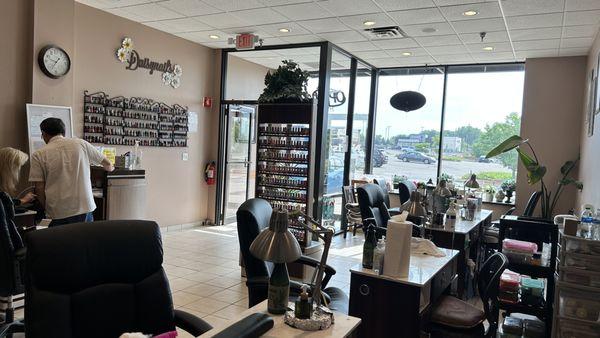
171	73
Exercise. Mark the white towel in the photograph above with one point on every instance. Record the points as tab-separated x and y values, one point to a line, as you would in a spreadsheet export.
425	247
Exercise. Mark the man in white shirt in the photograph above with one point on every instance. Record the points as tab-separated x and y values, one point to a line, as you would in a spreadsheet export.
60	172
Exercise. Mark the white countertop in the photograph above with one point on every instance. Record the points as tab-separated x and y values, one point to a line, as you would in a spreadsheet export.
462	226
422	268
343	325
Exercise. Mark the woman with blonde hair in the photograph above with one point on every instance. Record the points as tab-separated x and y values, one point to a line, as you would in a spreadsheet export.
11	161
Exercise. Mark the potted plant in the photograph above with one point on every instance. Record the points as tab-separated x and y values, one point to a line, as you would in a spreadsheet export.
536	172
286	84
397	179
488	193
508	186
500	196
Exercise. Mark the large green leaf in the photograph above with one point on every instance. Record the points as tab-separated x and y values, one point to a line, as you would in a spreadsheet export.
570	180
567	167
507	145
535	173
526	159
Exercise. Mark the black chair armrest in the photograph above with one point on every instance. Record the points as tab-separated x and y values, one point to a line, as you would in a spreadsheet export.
255	325
329	271
510	211
20	254
190	323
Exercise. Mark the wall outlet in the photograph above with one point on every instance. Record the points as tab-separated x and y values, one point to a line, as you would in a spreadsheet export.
185	156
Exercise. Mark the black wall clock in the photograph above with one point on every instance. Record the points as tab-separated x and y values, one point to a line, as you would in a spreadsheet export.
54	61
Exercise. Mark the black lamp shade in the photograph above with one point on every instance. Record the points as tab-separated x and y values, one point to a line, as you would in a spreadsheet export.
408	101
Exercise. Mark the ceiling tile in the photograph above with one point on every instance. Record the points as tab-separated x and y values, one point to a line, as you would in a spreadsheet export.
582	18
534	21
341	37
526	7
299	51
151	12
541	53
374	54
349	7
204	36
256	54
302	38
441	28
246	29
189	7
382	63
447	50
582	5
500	36
395	43
273	29
358	46
536	44
417	16
414	51
535	33
580	31
498	47
282	2
216	45
440	40
453	59
479	25
576	42
500	56
112	3
356	21
273	41
573	51
416	60
484	10
222	20
259	16
122	12
306	11
179	25
323	25
395	5
234	5
459	2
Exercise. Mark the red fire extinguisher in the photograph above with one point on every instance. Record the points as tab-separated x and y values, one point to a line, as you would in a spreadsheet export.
209	173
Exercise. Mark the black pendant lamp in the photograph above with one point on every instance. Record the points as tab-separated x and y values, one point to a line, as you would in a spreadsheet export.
408	101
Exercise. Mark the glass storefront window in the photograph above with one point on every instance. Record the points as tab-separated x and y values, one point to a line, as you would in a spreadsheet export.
360	121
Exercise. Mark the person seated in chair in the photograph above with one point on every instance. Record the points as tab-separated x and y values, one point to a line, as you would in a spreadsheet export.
11	162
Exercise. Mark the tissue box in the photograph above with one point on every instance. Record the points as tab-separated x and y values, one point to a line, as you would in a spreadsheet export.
533	287
510	281
519	246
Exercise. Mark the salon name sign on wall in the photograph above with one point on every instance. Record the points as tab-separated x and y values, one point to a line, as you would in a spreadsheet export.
171	73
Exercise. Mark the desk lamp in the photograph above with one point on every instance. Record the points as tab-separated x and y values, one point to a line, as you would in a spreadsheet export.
277	245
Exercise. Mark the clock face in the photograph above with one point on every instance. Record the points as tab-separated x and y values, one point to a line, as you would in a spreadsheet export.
54	61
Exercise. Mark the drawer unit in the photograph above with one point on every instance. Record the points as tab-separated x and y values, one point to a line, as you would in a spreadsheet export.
573	244
441	282
580	277
566	328
581	261
580	303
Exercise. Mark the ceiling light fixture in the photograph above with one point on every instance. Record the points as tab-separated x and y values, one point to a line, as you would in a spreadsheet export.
284	30
214	37
488	48
470	13
369	23
406	54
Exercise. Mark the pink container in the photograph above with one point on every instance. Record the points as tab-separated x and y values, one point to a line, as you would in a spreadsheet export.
171	334
510	281
521	246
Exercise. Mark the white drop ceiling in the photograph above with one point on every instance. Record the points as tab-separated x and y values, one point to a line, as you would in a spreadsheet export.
438	31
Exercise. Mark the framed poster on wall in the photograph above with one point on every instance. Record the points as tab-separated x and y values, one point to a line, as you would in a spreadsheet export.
591	102
36	113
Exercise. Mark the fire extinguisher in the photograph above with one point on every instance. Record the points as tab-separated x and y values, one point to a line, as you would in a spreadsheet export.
209	173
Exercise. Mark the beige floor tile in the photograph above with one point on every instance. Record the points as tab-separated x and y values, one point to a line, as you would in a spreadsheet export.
181	283
232	311
181	298
207	305
201	276
215	321
242	302
203	290
228	296
224	282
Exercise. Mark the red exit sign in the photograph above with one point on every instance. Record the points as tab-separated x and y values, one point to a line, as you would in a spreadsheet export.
245	41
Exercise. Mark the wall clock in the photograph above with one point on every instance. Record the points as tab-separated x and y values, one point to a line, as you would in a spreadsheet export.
54	61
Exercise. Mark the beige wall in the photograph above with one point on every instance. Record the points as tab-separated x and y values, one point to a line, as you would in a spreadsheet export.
589	171
177	193
16	23
552	105
245	80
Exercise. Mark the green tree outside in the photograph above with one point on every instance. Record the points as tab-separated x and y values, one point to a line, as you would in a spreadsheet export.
494	134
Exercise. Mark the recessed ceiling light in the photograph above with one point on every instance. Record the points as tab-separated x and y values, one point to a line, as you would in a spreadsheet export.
284	30
488	48
214	37
406	54
470	13
429	30
369	23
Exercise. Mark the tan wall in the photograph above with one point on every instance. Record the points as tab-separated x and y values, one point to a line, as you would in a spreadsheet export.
177	193
245	80
589	171
552	105
16	23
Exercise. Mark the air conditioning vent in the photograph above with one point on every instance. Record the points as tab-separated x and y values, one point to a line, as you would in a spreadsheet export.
388	32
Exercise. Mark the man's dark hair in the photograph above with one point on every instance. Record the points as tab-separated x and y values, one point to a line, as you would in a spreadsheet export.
53	126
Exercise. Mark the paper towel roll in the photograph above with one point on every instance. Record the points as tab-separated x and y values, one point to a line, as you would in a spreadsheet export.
397	249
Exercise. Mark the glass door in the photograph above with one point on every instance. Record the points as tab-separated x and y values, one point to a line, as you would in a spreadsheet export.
239	167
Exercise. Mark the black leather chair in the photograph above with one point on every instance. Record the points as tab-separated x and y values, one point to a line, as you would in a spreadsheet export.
383	184
452	317
100	280
252	217
405	189
12	265
372	205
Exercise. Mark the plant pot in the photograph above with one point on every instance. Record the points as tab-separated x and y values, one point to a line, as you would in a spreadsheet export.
396	186
509	195
500	196
488	197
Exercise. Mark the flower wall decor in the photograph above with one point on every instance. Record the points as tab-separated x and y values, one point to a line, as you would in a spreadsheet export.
172	73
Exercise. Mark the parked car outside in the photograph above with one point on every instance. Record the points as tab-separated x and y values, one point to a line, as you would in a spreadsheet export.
379	158
415	156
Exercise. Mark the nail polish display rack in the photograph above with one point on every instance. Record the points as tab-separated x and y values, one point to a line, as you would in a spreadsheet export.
283	166
122	121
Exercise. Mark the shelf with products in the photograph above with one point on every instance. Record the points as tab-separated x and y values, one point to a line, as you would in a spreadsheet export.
151	122
284	165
